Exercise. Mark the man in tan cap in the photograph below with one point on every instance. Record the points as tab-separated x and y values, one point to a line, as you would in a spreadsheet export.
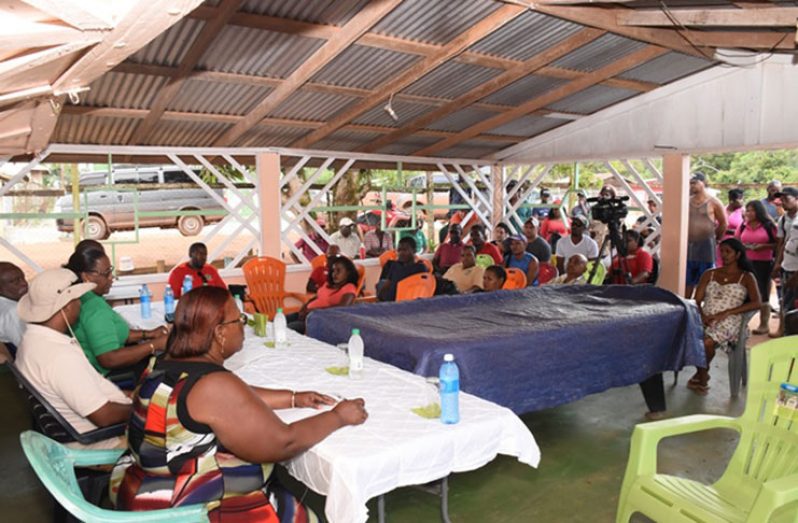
54	363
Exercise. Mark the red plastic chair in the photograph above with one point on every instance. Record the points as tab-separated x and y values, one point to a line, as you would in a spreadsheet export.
546	273
516	279
420	285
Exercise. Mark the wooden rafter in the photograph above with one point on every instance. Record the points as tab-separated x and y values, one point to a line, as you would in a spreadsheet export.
615	68
73	12
201	43
525	68
369	15
483	28
772	17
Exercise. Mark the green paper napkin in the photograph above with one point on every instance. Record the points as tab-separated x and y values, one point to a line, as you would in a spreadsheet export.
269	344
431	411
338	371
250	322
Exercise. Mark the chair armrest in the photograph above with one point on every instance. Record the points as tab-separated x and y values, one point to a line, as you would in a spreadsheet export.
369	298
646	438
773	495
101	433
90	458
301	297
189	514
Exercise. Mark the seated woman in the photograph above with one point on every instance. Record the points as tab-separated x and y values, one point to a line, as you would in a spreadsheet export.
493	278
520	259
198	434
105	337
554	224
722	296
637	265
339	291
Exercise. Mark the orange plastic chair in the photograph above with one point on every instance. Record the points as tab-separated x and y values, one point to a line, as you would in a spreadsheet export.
427	264
386	256
318	261
421	285
546	273
361	278
516	279
265	279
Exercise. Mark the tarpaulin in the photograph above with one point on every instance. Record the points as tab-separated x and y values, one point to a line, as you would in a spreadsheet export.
529	349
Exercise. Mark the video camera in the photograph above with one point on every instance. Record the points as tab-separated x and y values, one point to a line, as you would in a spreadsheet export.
609	210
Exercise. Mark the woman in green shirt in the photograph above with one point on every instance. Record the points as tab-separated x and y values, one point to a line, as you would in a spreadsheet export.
105	337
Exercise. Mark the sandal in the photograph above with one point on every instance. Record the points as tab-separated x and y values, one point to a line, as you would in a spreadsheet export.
698	388
695	380
759	332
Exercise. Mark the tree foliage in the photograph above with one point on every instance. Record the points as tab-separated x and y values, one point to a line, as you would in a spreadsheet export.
755	167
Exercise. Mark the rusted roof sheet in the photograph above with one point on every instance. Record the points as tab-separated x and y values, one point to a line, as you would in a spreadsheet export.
667	68
528	126
460	120
406	111
171	46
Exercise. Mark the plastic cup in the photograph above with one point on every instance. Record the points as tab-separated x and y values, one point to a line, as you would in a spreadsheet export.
260	324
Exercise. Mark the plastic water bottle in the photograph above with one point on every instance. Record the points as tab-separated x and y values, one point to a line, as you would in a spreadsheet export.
188	283
145	297
169	304
355	349
280	329
450	390
239	304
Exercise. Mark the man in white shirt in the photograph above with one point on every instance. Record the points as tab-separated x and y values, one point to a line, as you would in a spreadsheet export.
54	363
12	287
344	238
576	243
786	266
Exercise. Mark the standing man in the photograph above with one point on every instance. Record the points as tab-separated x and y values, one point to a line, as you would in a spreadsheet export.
542	212
12	287
770	203
706	226
348	243
786	265
576	243
201	272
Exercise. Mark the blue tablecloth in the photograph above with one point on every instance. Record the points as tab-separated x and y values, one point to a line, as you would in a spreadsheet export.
529	349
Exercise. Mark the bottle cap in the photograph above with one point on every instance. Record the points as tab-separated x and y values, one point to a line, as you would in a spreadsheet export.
448	357
355	331
789	387
279	310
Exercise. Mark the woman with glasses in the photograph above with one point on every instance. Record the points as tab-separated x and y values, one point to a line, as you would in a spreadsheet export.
105	337
199	434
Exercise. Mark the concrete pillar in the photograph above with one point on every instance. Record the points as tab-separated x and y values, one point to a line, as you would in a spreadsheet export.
497	180
268	169
675	212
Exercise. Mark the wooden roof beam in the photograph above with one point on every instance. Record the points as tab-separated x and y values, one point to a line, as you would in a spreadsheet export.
369	15
475	33
77	13
508	77
627	62
770	17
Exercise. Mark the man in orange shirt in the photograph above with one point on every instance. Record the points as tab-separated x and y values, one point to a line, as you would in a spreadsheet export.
201	273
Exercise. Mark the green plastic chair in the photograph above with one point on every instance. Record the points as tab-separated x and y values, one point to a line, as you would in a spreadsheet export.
601	273
485	260
760	483
55	465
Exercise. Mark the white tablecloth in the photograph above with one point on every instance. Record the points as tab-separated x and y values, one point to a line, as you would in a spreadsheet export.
395	447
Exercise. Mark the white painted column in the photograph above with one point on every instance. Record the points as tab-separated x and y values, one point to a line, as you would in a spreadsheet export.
675	213
268	169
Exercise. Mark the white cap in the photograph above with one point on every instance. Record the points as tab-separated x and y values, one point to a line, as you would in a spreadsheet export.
49	292
345	222
448	357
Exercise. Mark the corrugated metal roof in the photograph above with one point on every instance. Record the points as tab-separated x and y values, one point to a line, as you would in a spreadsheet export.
527	35
171	46
408	145
270	136
451	80
598	53
123	90
73	128
406	111
201	96
345	140
460	120
311	105
331	12
667	68
436	22
525	89
474	149
592	99
256	52
528	126
174	132
364	67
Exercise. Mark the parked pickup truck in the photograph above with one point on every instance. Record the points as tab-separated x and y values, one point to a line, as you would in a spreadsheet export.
112	209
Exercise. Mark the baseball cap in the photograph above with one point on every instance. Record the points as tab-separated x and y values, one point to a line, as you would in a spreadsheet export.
581	220
787	191
532	221
345	222
518	238
698	176
49	292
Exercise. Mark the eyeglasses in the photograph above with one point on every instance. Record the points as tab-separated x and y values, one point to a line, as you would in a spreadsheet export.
104	274
242	319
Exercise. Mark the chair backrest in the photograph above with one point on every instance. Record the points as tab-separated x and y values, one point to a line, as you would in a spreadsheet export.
546	273
55	465
318	261
516	279
387	256
601	273
361	278
421	285
485	260
427	264
769	439
265	278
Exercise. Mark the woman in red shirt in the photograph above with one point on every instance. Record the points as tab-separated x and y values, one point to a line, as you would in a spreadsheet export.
758	234
638	263
554	224
339	291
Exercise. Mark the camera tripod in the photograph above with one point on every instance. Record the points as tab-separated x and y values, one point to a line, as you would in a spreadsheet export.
613	240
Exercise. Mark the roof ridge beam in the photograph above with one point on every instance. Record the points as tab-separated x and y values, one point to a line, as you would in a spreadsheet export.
763	17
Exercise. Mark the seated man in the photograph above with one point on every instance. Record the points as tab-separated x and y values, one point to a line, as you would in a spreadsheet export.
535	243
493	278
575	272
347	240
377	242
520	259
448	253
466	275
638	264
12	287
54	363
479	239
318	277
201	273
576	243
397	270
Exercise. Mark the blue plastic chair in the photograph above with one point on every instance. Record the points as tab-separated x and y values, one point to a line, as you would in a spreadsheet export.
55	464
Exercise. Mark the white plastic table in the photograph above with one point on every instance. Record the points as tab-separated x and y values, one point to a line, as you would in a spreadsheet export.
395	447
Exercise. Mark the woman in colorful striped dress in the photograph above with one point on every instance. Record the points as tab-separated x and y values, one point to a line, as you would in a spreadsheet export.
198	434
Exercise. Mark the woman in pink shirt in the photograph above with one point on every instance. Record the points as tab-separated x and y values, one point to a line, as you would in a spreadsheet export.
554	223
758	234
